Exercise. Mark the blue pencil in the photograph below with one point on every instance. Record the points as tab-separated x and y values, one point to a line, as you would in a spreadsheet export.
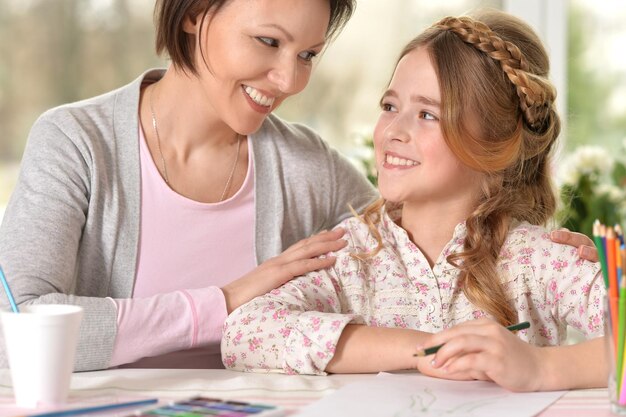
5	284
95	409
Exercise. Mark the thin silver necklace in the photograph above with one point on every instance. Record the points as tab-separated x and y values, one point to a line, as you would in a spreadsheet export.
164	166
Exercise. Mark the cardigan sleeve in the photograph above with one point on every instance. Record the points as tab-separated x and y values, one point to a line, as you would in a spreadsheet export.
41	239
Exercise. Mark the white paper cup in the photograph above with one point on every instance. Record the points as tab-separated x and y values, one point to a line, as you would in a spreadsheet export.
41	344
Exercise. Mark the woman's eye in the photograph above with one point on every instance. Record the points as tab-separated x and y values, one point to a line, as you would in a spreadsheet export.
307	55
268	41
386	107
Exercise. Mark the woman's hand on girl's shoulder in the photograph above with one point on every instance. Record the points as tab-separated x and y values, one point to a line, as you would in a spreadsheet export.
586	248
300	258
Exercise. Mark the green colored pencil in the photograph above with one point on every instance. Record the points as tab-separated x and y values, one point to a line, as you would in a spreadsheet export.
432	350
621	325
597	238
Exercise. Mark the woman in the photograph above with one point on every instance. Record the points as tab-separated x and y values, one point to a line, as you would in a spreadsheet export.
149	205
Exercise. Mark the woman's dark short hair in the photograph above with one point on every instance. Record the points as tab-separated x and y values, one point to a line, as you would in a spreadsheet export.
169	17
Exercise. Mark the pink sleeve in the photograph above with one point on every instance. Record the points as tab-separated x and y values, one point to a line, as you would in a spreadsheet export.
167	323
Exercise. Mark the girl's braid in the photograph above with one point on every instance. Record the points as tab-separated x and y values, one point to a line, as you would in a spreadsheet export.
536	94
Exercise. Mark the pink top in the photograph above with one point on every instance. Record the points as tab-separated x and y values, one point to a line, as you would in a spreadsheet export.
295	328
177	303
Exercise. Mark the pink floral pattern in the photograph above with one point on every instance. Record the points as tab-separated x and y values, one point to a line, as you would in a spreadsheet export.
295	328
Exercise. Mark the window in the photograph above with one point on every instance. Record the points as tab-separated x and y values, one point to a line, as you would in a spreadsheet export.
65	50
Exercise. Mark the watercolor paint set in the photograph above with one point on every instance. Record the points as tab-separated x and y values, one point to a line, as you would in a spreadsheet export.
206	407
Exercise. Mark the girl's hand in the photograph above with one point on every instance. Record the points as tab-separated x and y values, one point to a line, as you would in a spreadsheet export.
298	259
484	350
586	248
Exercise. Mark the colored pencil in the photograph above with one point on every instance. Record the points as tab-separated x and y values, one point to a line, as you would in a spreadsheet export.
613	288
432	350
7	289
597	238
621	327
611	261
95	409
618	261
619	243
619	233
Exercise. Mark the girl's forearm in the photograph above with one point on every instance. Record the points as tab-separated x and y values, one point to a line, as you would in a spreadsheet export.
583	365
364	349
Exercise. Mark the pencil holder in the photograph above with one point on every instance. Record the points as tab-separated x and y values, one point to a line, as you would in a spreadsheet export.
615	353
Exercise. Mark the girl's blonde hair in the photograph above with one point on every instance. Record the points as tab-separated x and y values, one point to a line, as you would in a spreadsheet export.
498	117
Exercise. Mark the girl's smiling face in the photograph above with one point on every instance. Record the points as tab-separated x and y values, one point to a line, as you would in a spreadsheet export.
413	159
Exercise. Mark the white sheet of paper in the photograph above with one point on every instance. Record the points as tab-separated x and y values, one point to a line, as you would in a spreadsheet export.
408	395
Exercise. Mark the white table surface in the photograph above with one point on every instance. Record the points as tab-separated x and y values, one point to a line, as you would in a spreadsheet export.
289	391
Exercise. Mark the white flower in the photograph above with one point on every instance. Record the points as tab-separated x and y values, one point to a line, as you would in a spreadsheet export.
614	193
594	161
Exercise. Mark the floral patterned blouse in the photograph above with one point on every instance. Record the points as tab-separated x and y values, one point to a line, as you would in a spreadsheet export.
295	328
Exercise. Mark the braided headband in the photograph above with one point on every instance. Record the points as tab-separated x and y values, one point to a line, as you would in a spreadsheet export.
535	93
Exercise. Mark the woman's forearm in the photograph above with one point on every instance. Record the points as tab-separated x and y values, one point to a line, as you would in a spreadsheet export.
365	349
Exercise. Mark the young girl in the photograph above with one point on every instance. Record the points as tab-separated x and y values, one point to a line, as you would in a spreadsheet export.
455	246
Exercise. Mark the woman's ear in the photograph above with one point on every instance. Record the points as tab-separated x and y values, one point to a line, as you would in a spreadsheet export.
191	24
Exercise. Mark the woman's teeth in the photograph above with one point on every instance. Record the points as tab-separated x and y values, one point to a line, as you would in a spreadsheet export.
258	97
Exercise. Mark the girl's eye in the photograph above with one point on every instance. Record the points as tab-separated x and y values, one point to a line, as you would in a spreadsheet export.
386	107
307	55
427	116
268	41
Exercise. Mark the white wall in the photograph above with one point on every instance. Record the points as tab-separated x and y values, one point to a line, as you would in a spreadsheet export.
549	19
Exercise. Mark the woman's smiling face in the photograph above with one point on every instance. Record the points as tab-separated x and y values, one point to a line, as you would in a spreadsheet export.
256	53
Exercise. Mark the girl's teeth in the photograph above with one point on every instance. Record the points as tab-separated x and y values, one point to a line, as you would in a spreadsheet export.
394	160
